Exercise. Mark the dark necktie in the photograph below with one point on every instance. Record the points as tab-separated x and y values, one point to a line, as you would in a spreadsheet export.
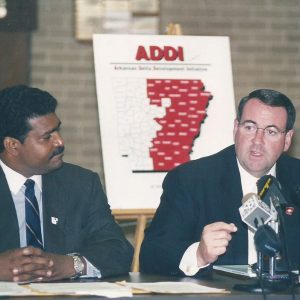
32	215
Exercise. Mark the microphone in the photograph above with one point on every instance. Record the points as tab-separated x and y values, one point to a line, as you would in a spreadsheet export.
254	212
260	217
257	214
260	212
267	241
269	190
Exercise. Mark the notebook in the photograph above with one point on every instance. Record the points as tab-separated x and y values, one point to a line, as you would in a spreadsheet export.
242	270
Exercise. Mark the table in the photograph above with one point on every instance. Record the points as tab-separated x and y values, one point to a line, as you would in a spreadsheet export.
215	280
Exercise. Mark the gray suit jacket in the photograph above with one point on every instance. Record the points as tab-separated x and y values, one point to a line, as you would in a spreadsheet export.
85	225
204	191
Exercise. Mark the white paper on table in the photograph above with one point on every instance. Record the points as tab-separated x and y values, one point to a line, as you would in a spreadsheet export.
106	289
174	287
14	289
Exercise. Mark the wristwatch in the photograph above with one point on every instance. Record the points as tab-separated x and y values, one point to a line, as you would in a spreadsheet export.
78	264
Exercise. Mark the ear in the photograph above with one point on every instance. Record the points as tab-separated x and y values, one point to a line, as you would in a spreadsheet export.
288	139
11	145
235	127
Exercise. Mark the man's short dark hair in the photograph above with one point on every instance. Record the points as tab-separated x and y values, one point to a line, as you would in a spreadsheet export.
18	104
272	98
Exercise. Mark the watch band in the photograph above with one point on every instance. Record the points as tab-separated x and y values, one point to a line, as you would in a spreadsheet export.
78	264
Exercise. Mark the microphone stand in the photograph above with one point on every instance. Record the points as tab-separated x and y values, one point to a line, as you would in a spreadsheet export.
269	245
272	280
259	271
272	263
287	277
266	282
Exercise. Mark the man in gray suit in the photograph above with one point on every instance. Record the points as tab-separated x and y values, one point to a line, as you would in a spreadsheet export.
77	233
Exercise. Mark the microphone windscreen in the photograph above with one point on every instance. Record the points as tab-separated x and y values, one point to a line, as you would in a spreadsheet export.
254	212
269	189
267	241
248	196
262	181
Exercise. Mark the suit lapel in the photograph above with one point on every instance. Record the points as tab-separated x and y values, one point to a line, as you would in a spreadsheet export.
232	199
231	188
54	214
9	228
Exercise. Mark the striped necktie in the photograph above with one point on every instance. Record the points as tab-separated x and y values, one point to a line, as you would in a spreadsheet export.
32	216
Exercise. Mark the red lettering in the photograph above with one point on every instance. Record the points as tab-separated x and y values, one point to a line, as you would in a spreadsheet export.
170	53
180	53
141	53
156	53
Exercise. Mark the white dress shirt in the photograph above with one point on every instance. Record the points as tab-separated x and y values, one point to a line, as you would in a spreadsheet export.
188	264
16	185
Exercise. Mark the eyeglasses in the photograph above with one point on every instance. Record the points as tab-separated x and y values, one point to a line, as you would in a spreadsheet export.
271	132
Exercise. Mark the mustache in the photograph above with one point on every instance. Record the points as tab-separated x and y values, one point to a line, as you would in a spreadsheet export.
57	151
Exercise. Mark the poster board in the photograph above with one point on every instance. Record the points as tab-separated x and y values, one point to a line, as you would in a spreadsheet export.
162	100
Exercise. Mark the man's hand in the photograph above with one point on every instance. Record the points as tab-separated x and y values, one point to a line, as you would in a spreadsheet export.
214	241
33	264
63	266
24	264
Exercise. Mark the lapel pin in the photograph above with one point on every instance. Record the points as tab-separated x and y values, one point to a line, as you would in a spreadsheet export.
289	210
54	220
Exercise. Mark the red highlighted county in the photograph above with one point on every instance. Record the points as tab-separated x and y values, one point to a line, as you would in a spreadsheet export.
185	102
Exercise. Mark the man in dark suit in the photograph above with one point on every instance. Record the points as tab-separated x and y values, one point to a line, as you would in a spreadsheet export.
197	223
76	234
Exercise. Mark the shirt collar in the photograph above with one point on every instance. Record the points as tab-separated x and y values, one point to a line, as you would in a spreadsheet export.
15	180
249	181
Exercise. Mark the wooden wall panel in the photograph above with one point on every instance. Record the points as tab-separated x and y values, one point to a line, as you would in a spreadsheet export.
14	58
15	28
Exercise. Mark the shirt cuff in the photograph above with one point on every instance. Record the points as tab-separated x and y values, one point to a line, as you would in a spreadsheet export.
91	271
188	264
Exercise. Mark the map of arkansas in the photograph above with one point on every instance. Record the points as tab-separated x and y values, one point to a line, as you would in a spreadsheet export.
158	121
186	102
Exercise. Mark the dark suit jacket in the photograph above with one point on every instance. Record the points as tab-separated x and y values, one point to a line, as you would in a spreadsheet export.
204	191
85	225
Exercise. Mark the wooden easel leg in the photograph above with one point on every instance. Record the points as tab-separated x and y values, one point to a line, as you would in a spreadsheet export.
138	238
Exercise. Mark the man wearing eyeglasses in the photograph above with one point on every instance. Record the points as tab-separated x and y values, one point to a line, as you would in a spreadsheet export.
197	223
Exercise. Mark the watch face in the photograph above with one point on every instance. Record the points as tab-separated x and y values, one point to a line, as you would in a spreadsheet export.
78	264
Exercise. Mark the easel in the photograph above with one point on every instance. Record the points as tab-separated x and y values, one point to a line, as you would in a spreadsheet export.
141	215
174	29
